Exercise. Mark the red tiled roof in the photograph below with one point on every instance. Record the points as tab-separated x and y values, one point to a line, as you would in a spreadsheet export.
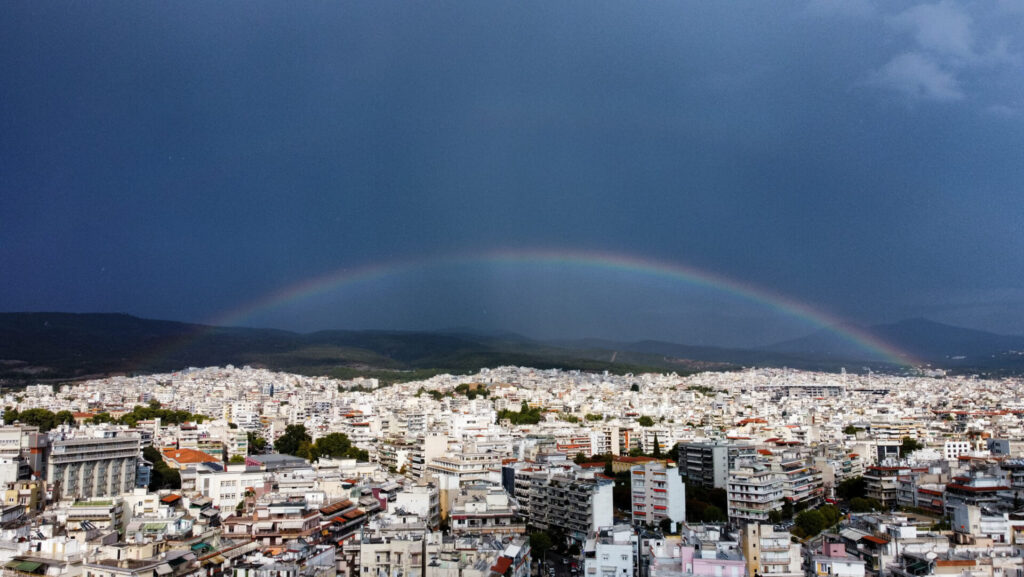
875	540
502	565
187	456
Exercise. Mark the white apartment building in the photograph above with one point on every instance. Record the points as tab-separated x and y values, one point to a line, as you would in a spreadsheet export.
951	450
610	552
226	488
102	465
754	491
658	493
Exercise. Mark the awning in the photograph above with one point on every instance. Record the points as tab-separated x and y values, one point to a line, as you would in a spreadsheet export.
28	566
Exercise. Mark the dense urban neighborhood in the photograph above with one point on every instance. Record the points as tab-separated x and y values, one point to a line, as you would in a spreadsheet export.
514	472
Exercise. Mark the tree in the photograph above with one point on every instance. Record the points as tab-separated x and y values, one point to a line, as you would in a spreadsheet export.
257	444
909	445
334	445
290	442
162	476
236	459
645	421
540	543
862	505
811	522
103	417
852	488
41	418
851	430
657	448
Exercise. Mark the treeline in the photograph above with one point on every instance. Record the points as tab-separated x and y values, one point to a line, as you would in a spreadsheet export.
525	415
47	420
162	476
297	441
42	418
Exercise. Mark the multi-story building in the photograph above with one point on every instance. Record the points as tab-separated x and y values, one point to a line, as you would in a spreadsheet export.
85	467
754	491
658	493
611	552
486	510
708	464
276	523
883	483
977	489
557	496
770	552
423	500
801	483
833	560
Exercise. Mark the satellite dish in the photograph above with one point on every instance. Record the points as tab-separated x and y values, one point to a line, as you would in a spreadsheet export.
932	555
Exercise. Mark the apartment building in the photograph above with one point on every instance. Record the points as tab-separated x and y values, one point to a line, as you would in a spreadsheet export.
770	552
708	464
754	491
801	483
86	467
883	483
610	552
452	471
658	493
486	510
562	497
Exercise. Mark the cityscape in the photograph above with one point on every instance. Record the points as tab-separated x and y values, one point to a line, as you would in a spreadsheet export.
515	471
512	288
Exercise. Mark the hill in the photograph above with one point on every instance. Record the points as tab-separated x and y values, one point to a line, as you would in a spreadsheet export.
39	347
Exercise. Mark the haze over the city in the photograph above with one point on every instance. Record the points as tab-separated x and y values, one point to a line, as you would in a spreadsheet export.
715	173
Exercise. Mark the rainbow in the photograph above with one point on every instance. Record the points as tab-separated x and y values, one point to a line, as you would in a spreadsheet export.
607	261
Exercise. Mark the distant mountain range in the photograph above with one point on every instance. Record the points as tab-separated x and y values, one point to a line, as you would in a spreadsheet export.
62	346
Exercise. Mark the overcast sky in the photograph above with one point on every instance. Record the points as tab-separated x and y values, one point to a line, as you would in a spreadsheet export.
180	160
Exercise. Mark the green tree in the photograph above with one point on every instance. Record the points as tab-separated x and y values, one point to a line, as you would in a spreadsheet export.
851	430
657	448
257	444
645	421
540	543
713	514
811	522
41	418
334	445
852	488
100	418
593	417
909	445
290	442
862	505
236	459
10	415
163	476
65	418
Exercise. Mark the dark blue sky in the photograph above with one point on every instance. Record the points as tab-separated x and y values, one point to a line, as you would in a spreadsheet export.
179	160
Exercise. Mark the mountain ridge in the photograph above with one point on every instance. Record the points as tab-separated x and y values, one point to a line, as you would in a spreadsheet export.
65	346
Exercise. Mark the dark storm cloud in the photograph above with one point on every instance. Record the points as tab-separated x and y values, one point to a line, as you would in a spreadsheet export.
177	160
